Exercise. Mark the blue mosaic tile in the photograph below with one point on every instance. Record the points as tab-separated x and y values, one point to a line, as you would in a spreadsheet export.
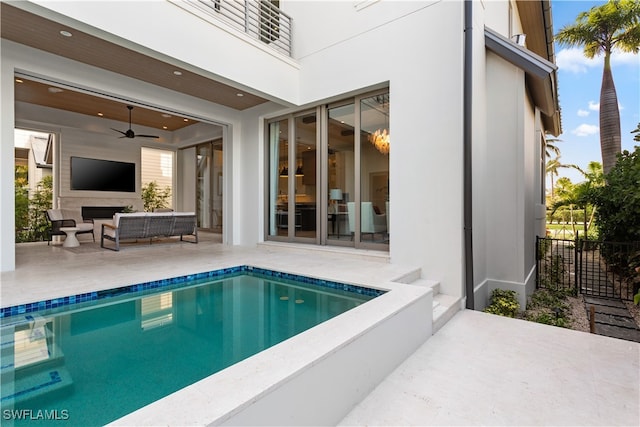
181	281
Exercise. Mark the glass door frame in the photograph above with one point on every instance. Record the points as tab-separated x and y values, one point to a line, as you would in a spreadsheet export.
291	182
357	241
322	190
215	185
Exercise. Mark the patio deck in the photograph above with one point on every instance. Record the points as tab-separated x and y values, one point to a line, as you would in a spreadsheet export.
479	369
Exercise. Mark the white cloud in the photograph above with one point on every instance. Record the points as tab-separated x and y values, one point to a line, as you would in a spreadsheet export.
595	106
582	113
625	58
573	60
585	130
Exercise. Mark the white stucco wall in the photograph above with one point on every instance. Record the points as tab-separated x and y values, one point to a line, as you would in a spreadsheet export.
414	47
7	166
511	182
417	48
162	29
17	58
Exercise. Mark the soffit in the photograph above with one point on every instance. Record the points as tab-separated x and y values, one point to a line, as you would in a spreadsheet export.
534	26
41	33
62	98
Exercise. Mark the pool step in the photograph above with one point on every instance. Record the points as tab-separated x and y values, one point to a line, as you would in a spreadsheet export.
444	306
31	364
37	384
27	343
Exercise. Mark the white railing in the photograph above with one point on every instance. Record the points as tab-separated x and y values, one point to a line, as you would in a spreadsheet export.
260	19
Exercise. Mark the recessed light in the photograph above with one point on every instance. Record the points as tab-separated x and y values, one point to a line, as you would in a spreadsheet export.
185	120
164	127
55	90
100	114
166	116
19	81
240	94
177	73
65	33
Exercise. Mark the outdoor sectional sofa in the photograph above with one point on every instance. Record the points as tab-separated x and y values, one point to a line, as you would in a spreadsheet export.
147	225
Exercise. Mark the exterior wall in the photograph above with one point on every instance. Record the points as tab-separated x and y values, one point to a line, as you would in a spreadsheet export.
511	183
507	213
192	42
416	48
367	49
7	159
481	152
21	58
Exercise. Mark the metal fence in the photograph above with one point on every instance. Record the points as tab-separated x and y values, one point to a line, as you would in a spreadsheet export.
260	19
595	268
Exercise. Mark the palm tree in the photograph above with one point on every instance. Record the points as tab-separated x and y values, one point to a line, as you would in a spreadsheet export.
614	25
577	195
552	167
550	146
636	137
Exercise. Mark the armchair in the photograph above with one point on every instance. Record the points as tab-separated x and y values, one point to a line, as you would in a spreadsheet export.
60	218
370	221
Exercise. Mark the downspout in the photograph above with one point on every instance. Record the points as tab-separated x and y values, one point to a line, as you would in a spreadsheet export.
467	160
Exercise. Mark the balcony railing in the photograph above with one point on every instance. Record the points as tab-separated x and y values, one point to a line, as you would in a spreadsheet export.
260	19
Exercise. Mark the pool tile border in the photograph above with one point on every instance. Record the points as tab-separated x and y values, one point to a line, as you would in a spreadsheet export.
16	310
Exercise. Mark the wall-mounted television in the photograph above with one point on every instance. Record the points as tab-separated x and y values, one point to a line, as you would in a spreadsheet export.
102	175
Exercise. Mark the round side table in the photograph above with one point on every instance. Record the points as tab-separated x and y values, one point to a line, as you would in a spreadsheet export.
71	241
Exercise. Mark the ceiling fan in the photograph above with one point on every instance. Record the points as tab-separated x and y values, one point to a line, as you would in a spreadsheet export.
129	133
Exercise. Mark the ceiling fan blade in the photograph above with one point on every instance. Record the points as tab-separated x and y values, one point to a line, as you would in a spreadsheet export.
129	133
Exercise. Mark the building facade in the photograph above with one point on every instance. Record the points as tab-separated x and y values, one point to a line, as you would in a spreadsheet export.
411	130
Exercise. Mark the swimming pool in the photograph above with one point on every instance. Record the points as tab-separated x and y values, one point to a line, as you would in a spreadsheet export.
58	355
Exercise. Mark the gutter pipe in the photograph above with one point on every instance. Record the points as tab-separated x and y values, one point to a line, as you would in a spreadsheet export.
467	159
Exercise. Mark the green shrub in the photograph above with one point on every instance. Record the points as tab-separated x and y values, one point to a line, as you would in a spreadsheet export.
154	197
618	202
549	306
31	223
503	303
548	319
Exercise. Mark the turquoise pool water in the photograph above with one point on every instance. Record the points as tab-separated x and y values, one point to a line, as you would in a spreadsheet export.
91	362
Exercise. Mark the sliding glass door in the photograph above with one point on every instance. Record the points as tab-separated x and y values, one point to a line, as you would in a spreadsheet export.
209	180
293	194
328	177
374	169
341	175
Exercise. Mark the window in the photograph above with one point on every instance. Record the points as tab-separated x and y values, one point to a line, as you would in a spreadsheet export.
328	174
157	165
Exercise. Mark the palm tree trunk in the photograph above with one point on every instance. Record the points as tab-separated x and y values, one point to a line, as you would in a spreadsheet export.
610	139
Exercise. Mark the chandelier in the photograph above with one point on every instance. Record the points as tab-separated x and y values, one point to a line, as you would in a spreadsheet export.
380	140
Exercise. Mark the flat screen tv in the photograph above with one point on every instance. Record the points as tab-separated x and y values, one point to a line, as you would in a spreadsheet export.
102	175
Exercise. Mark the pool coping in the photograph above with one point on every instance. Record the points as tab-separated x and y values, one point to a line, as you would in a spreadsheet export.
234	393
313	378
172	283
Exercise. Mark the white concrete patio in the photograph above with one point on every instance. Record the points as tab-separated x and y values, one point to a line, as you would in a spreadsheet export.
479	369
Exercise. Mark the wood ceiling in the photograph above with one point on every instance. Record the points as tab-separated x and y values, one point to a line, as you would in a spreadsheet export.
37	32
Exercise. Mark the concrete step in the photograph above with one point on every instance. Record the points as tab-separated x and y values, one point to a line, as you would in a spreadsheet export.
444	306
435	285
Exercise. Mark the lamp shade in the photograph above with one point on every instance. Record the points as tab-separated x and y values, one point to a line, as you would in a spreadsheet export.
335	194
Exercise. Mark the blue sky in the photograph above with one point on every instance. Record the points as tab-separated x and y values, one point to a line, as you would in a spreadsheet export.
579	82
